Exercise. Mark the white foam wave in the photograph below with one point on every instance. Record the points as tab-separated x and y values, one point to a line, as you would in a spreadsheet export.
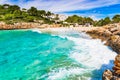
94	52
89	52
63	73
64	32
36	30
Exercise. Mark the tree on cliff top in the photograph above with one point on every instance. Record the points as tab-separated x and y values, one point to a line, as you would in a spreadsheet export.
106	21
72	19
12	8
80	20
116	19
102	22
32	11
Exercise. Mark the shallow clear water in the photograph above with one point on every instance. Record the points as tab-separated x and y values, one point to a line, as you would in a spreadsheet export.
29	55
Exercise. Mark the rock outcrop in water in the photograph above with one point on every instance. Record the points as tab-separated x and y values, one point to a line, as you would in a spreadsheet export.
109	33
114	42
115	73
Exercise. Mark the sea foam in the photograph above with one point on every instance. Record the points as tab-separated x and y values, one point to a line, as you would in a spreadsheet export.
36	30
88	52
67	55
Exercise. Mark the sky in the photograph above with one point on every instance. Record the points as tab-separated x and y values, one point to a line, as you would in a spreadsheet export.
95	9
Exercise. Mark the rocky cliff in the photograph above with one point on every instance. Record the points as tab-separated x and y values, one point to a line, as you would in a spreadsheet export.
111	34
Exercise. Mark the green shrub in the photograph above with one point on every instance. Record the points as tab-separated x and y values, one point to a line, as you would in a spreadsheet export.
9	22
30	18
8	16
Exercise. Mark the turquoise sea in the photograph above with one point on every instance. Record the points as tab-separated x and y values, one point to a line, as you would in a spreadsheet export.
33	55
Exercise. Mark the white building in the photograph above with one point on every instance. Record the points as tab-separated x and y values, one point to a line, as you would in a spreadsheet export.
62	17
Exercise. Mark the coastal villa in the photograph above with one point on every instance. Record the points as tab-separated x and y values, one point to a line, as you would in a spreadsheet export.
57	17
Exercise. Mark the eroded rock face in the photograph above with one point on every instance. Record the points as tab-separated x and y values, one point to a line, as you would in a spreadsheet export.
109	33
114	40
114	43
116	67
100	33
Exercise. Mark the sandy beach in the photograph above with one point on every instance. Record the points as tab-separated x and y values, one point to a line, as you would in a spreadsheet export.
63	29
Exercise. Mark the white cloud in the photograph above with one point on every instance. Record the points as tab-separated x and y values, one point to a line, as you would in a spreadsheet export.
63	5
5	1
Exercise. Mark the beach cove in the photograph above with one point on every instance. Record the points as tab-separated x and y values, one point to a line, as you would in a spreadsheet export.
53	54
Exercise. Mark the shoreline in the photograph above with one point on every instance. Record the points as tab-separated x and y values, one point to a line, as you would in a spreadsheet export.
112	37
102	33
95	32
90	54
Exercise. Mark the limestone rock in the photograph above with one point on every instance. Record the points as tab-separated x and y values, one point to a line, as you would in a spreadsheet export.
25	25
114	43
107	75
115	73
